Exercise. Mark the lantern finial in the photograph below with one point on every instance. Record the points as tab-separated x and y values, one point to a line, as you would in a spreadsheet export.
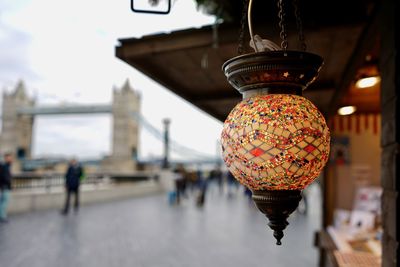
277	205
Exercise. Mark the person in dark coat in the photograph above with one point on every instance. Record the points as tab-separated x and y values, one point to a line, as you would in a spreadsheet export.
216	175
5	186
202	185
72	182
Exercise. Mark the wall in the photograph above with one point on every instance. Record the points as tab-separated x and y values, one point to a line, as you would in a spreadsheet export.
362	165
40	199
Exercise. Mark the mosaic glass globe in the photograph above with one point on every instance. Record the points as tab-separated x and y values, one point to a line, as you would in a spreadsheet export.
275	142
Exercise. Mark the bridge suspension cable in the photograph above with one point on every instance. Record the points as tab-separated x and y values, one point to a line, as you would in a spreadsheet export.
175	146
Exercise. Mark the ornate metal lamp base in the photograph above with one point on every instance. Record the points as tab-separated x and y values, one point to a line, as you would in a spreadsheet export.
273	71
277	206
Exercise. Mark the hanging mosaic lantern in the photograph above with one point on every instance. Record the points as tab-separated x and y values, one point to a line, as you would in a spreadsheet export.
275	142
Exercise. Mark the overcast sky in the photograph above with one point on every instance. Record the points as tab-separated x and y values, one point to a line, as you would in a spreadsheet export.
64	51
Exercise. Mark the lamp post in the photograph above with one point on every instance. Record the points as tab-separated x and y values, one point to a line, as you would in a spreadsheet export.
165	164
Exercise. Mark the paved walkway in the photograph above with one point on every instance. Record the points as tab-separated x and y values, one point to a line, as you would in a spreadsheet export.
148	232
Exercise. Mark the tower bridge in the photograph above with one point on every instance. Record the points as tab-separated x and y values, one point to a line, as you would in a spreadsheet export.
19	112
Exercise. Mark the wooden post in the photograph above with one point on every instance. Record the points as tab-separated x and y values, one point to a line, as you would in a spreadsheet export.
390	141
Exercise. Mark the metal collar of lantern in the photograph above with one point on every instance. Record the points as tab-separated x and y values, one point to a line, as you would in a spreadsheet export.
275	142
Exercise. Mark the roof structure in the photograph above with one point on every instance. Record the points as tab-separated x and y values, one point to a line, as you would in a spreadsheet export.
188	62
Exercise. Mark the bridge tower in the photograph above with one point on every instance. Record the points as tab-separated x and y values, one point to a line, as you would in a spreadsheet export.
16	134
125	130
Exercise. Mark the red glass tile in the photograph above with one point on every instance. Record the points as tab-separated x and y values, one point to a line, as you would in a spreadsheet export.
309	148
256	152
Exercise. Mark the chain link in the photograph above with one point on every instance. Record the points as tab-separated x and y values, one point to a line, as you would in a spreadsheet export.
283	25
299	24
241	48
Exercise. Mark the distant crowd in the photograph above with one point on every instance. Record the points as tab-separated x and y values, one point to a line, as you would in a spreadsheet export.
197	183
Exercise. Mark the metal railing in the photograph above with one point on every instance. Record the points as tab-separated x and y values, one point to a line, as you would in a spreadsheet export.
28	181
48	181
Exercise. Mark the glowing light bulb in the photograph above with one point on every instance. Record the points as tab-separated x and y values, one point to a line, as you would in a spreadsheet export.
347	110
367	82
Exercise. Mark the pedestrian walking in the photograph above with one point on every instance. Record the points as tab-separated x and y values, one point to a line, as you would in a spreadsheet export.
72	183
202	186
178	182
216	176
232	183
5	186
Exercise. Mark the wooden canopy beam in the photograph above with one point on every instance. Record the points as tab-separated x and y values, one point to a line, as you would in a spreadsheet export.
185	39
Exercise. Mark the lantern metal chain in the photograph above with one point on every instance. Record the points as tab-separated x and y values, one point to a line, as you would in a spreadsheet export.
242	28
283	25
299	24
